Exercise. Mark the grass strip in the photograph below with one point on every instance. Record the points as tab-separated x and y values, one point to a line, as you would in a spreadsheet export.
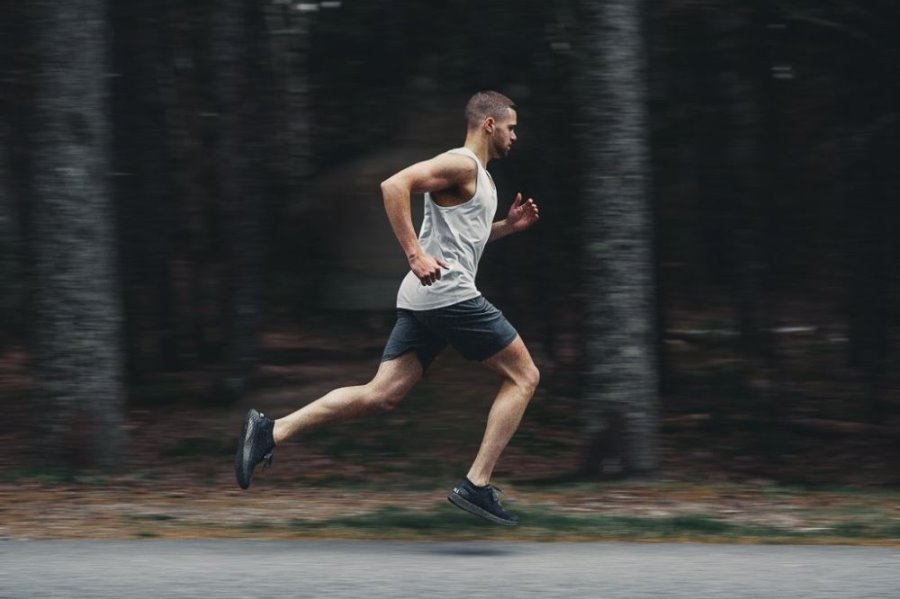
539	524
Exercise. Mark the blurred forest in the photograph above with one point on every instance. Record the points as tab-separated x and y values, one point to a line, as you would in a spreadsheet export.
717	184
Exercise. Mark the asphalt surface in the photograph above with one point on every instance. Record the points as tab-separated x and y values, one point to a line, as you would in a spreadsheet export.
337	569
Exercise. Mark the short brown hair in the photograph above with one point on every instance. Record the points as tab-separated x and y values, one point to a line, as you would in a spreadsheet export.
487	104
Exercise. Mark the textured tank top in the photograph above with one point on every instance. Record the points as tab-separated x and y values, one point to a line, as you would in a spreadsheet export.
457	235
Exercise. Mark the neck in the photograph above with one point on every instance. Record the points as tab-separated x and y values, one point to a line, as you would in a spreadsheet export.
479	146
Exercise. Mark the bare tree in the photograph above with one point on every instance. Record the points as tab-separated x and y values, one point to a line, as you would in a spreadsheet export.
77	331
10	245
241	87
620	366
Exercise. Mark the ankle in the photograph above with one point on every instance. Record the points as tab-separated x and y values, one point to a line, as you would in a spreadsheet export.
478	481
279	433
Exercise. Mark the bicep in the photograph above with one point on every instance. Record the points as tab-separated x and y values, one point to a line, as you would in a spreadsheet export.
442	172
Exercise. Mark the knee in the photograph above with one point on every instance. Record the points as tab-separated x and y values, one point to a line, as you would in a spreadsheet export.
529	378
384	399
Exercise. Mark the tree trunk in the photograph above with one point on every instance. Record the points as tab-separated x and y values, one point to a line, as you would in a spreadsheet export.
734	35
145	194
77	333
11	281
289	33
155	169
621	371
873	221
126	188
237	40
870	188
16	117
658	85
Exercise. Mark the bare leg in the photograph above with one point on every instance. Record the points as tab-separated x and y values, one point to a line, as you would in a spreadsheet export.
392	382
520	379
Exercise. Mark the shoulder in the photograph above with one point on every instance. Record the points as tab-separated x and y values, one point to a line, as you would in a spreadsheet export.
441	172
447	170
456	162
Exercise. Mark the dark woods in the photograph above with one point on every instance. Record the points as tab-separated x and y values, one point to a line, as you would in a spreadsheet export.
716	178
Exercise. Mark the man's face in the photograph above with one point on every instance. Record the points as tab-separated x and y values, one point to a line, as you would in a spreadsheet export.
503	134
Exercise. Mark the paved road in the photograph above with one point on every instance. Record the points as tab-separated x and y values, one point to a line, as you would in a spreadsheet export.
338	569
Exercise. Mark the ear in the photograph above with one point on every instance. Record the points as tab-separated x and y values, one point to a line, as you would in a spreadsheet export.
489	123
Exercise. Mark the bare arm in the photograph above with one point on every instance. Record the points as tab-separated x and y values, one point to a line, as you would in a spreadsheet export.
442	172
520	217
499	230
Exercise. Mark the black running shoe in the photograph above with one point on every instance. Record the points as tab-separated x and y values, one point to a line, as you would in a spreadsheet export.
254	446
481	501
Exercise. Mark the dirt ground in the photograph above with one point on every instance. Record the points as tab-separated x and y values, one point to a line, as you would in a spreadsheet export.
178	478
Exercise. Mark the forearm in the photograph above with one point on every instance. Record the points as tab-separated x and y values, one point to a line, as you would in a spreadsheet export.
500	229
399	213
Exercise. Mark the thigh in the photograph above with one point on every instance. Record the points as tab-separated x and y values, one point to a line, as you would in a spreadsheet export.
410	336
475	328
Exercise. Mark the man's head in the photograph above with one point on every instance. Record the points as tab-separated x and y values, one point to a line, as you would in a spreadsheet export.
492	114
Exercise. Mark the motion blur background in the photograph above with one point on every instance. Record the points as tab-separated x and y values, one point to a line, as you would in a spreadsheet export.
191	224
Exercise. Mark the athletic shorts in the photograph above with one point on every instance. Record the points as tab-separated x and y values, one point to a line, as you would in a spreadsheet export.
474	328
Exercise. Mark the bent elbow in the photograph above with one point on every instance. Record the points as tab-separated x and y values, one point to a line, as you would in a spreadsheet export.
388	185
393	190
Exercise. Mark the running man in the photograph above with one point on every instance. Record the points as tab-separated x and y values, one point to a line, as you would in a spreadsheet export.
437	304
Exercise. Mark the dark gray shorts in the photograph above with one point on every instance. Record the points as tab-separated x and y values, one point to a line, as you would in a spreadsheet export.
475	328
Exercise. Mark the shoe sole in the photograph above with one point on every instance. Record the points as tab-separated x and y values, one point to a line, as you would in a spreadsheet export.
239	455
466	505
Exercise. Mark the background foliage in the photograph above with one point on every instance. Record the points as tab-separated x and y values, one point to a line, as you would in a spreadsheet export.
247	141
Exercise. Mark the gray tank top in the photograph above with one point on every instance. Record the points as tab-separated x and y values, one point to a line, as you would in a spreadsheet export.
457	235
